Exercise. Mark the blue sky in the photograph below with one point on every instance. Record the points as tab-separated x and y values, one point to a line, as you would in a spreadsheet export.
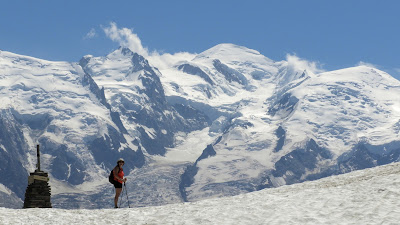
335	34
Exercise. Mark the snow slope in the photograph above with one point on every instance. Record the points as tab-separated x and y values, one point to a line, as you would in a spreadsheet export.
369	196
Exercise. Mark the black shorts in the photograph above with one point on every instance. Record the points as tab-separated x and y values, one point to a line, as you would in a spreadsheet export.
117	184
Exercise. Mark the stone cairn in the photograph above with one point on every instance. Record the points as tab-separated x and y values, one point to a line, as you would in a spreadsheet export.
37	193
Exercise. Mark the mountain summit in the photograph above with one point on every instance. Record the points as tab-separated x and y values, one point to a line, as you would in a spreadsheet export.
224	122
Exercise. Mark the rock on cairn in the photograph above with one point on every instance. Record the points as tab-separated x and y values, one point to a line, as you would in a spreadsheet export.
37	193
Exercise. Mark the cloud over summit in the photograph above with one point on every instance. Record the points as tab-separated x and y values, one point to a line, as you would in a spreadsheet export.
125	37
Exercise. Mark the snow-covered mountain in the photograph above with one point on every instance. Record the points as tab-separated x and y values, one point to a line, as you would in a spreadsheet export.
60	107
226	121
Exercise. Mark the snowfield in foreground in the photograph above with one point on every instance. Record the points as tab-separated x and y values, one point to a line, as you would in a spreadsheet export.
370	196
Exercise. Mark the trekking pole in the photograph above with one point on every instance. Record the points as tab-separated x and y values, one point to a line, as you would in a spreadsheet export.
126	192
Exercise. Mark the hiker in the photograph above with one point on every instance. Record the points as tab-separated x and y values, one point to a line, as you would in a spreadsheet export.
118	180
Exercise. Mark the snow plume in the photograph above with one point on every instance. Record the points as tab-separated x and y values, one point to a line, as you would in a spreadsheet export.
298	64
361	63
127	38
396	72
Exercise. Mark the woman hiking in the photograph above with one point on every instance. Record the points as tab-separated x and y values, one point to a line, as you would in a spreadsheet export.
118	180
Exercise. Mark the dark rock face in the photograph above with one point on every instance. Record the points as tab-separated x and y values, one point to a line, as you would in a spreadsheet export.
187	178
286	104
230	74
155	117
281	135
99	93
193	70
293	165
105	151
366	156
358	158
207	152
362	156
66	167
87	80
36	121
193	117
12	153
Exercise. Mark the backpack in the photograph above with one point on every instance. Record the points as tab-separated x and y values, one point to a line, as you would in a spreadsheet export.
111	177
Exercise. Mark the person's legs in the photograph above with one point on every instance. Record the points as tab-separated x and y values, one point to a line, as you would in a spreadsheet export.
117	193
118	189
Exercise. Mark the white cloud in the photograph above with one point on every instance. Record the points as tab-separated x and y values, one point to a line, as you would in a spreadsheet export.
91	34
125	37
167	60
297	63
